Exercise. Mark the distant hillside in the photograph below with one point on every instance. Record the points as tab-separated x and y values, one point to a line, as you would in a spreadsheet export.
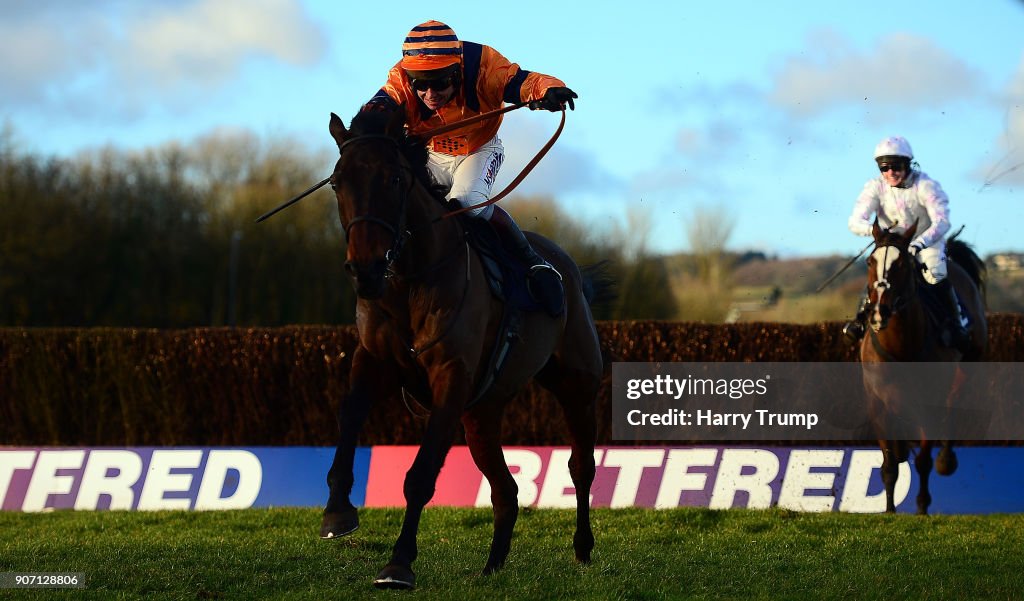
771	289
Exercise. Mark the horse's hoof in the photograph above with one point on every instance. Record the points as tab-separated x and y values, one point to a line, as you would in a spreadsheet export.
395	577
583	544
946	463
342	523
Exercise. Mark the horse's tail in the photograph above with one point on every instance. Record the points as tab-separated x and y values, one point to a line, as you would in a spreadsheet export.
963	255
599	289
598	283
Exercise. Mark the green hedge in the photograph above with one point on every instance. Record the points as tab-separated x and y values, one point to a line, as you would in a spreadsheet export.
281	386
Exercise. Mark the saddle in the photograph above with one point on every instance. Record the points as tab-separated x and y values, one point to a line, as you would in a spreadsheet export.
506	275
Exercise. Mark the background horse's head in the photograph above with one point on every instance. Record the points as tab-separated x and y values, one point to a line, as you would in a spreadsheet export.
892	272
372	181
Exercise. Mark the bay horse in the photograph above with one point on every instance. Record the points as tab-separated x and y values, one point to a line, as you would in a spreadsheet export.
427	323
901	329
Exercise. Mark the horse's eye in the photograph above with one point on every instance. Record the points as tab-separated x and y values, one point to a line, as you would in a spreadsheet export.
396	180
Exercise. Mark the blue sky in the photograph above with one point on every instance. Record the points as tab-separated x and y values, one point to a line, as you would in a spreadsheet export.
767	111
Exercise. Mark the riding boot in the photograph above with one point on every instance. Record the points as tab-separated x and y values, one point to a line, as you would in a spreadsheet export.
959	338
854	330
543	281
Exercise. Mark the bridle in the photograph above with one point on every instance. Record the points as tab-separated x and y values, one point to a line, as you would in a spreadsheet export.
882	285
399	234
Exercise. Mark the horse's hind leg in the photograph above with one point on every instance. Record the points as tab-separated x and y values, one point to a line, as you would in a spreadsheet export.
946	463
923	464
483	435
576	390
368	380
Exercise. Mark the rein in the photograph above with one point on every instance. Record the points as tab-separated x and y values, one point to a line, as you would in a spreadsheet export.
434	132
522	174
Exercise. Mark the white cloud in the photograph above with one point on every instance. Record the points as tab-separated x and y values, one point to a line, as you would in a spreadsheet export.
119	57
207	41
902	70
717	139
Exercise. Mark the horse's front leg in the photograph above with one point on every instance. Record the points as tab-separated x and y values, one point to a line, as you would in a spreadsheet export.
892	456
923	464
451	391
369	379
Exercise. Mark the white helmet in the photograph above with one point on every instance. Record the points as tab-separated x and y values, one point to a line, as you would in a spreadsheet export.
894	146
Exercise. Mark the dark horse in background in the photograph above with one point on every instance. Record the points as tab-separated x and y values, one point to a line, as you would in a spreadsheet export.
427	324
903	328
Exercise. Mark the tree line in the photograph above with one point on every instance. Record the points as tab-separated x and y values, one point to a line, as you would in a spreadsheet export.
165	237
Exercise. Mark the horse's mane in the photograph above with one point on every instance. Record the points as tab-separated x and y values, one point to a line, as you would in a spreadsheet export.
413	148
963	255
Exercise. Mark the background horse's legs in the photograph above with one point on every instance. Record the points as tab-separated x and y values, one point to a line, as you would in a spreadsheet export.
450	394
894	452
483	435
923	464
946	463
368	379
576	390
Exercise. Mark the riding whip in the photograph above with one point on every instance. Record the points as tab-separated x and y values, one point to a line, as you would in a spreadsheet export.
853	260
293	201
844	267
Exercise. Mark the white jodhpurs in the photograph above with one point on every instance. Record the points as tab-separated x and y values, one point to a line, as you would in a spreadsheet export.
469	177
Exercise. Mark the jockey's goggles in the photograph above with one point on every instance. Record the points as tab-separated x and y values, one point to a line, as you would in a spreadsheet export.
883	167
422	85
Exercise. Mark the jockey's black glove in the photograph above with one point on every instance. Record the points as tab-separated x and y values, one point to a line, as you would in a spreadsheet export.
554	99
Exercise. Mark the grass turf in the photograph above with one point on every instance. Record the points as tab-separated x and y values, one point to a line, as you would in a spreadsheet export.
640	554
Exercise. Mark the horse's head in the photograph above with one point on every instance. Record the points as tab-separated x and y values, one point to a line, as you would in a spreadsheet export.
891	274
372	181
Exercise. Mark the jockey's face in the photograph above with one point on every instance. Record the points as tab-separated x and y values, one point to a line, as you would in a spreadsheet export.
435	99
894	173
434	88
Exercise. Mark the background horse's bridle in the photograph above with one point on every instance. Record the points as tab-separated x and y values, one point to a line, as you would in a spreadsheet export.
882	284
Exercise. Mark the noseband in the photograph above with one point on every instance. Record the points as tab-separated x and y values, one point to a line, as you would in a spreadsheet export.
398	233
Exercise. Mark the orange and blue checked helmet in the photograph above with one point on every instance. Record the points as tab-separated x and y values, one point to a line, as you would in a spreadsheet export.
431	45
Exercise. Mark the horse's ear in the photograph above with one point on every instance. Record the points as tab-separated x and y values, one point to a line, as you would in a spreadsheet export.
875	230
338	131
396	124
909	234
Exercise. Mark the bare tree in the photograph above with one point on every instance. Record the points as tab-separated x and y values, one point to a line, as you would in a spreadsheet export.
704	287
